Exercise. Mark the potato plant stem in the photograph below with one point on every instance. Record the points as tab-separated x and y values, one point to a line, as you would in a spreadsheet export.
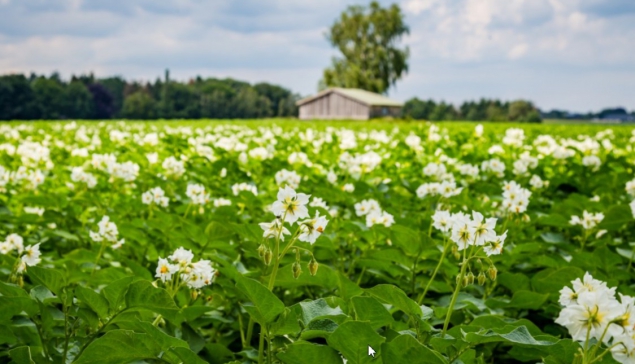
455	295
261	346
446	245
101	251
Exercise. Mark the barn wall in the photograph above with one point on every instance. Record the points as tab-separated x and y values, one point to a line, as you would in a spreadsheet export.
334	106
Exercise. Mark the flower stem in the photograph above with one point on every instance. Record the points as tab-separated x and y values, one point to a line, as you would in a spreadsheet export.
101	251
261	346
454	296
446	245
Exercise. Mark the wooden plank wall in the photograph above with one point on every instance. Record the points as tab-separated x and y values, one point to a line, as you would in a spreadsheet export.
334	106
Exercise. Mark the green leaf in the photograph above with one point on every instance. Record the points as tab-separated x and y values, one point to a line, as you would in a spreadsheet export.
508	334
12	306
115	292
143	295
396	297
93	300
125	346
406	349
319	308
302	352
325	277
348	288
352	339
521	299
369	309
406	238
49	278
552	280
266	306
21	355
616	217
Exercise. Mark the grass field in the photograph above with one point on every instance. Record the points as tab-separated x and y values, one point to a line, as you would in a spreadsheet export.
292	242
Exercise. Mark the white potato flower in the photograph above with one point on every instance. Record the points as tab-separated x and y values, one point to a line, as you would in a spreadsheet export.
290	205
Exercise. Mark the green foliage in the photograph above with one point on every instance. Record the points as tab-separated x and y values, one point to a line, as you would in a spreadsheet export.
85	304
483	110
86	97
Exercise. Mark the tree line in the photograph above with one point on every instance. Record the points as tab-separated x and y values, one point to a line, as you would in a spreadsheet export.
87	97
482	110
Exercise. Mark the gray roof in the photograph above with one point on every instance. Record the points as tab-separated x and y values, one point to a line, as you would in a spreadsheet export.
363	96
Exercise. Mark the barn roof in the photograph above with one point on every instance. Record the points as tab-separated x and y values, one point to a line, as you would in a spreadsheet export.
363	96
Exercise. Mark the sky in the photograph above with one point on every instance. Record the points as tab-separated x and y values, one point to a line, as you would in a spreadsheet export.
577	55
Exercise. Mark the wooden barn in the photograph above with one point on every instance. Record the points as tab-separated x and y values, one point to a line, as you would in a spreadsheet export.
348	103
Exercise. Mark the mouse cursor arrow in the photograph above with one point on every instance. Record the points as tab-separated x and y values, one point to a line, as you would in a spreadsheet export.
371	352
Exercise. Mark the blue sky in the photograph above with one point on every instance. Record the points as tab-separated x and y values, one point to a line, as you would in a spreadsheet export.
572	54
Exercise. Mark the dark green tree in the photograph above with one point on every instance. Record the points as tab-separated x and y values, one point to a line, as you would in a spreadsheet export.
78	101
368	39
49	97
418	109
116	86
139	105
17	100
523	111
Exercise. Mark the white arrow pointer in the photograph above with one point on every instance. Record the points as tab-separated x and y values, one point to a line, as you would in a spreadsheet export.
371	352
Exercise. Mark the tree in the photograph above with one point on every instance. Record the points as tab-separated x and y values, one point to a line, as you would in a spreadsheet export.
78	101
523	111
103	102
139	105
49	97
17	100
115	86
418	109
367	39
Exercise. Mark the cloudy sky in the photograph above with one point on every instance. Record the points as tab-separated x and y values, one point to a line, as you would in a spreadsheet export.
573	54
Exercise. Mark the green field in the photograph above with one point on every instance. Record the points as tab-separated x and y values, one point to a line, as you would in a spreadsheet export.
282	241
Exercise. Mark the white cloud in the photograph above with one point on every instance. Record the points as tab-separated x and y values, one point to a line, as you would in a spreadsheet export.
461	49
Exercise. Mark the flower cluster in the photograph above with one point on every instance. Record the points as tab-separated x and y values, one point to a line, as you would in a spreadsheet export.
515	197
238	187
107	232
28	256
588	220
289	178
155	196
79	175
466	230
445	189
374	214
195	275
173	167
197	194
591	311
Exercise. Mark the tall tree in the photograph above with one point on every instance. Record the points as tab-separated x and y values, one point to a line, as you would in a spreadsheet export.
368	39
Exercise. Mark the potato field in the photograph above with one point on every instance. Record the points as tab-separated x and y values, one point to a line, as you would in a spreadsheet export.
316	243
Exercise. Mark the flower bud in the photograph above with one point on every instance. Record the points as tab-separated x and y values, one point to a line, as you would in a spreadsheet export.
526	218
267	256
481	278
261	250
297	270
194	294
470	278
491	272
465	282
313	266
457	256
458	280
